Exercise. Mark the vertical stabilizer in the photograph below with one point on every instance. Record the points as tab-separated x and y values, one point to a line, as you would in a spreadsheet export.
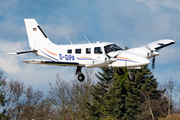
37	38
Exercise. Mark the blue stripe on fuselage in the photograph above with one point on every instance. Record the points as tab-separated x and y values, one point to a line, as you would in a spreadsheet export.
127	60
86	59
50	56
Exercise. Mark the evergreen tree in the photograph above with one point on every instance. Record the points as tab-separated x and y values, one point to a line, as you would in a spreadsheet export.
125	99
115	100
132	98
106	77
143	99
152	101
99	93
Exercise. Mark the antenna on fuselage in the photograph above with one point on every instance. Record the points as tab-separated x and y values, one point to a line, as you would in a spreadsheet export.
86	39
69	40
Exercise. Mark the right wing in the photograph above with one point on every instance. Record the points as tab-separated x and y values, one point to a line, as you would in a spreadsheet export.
48	62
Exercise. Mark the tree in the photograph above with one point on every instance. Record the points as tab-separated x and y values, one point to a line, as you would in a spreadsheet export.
125	99
21	100
3	99
132	96
32	98
151	101
171	92
43	111
115	100
96	107
67	97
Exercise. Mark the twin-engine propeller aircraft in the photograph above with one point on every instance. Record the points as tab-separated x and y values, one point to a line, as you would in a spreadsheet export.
90	55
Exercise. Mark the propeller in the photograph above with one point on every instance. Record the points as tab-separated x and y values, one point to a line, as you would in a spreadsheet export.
153	54
112	58
153	63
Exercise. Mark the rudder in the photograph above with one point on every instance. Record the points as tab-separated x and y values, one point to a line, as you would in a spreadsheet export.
36	37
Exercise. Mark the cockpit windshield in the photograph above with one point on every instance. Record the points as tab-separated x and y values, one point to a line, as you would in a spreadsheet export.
111	47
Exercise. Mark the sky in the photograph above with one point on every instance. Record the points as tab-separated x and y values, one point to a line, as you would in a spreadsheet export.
129	23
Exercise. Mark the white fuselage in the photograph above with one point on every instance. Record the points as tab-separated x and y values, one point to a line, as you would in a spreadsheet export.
87	55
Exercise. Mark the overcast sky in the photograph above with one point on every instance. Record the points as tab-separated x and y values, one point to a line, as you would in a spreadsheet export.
129	23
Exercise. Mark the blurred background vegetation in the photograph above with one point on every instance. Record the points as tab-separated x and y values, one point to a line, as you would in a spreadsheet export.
111	97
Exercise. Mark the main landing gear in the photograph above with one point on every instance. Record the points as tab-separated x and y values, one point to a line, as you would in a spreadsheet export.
120	71
81	77
131	76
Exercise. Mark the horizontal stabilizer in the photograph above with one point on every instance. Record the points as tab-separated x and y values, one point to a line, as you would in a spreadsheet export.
22	52
48	62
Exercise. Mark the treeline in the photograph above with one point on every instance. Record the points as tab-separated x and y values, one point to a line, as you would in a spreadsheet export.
103	96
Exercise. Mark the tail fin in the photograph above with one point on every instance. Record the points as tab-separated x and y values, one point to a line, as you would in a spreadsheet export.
37	38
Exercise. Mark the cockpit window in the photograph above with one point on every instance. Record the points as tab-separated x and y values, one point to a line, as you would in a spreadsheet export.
111	47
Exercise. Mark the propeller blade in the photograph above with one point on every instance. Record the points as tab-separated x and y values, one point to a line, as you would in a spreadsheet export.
111	59
108	56
153	63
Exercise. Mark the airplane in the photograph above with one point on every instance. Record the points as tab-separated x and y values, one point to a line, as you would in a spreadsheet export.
105	54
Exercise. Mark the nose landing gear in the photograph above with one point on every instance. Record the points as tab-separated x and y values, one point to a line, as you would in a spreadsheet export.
81	77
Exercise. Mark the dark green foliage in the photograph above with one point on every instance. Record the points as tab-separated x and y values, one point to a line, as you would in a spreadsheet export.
121	98
107	95
106	77
132	97
97	109
151	97
115	103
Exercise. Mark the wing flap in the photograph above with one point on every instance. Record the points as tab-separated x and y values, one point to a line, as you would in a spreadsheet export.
48	62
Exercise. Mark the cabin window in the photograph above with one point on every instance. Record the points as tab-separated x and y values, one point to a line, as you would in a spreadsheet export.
78	51
88	50
69	51
97	50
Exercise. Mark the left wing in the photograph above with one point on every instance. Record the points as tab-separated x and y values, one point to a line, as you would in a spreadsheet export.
159	44
48	62
150	50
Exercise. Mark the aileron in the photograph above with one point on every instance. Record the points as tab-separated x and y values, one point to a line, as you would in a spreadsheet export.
165	45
